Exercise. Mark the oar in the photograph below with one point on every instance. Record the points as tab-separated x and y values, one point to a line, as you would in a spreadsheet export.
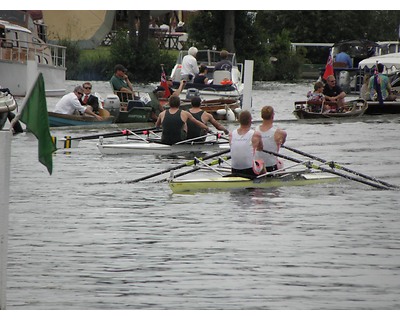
113	134
335	165
188	163
212	163
310	165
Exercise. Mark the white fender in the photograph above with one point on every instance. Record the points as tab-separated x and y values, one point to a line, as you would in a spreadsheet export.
221	112
230	116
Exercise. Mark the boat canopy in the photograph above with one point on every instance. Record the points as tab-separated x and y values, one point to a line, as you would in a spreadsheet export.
391	60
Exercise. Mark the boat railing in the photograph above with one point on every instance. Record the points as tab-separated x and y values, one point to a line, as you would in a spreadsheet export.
43	53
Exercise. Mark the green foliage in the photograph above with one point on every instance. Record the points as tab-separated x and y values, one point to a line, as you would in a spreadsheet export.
143	63
72	54
251	41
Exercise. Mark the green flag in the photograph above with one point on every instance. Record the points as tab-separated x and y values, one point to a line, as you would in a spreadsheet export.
34	115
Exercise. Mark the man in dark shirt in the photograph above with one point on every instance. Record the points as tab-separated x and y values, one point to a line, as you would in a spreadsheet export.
333	92
224	64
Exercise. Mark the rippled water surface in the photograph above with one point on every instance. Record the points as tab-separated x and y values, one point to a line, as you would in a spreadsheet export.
84	239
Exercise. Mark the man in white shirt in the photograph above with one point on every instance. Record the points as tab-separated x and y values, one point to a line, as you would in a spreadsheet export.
70	103
189	65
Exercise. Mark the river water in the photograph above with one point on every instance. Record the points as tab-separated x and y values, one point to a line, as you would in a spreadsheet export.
83	239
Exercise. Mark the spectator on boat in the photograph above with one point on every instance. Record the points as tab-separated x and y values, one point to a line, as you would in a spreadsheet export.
70	104
189	65
195	131
333	92
173	122
385	85
89	99
120	82
316	98
224	64
202	76
343	57
242	152
268	137
178	91
364	91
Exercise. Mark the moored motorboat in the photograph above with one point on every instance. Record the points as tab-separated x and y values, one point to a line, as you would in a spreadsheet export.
295	178
7	105
24	52
61	120
225	84
312	110
388	107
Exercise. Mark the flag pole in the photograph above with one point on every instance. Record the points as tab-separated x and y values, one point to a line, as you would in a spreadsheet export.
5	159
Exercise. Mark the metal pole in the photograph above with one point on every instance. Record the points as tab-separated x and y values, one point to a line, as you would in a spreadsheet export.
248	84
5	156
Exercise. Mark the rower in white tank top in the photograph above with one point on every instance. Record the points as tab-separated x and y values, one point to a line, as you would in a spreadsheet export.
269	143
241	150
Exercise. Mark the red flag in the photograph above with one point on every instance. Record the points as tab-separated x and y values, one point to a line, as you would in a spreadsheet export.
164	83
329	67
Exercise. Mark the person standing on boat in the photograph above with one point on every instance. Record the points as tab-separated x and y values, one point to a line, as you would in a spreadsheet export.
189	65
224	64
195	131
384	83
267	137
70	104
173	122
88	99
343	57
333	92
242	151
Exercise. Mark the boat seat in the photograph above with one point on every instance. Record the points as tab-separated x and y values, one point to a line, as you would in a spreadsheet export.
220	75
177	75
135	104
124	96
339	65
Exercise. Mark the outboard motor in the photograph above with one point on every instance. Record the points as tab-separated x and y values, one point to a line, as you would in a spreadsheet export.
344	81
112	103
192	92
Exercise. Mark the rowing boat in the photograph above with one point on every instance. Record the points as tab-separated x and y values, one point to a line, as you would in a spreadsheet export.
156	148
312	110
295	178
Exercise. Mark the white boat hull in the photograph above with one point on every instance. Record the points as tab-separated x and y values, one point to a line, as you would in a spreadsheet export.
142	148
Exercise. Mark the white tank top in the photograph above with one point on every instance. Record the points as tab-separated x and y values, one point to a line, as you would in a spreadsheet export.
242	150
269	144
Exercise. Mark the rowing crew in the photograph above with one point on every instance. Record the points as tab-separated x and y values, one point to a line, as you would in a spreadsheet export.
247	145
179	125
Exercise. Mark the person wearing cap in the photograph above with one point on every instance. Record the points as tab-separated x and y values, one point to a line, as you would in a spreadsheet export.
70	104
178	91
224	63
120	81
203	116
189	65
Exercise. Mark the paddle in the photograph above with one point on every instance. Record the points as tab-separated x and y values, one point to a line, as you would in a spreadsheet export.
188	163
335	165
310	165
125	132
212	163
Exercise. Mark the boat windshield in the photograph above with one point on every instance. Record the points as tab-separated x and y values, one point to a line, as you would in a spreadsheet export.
207	57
